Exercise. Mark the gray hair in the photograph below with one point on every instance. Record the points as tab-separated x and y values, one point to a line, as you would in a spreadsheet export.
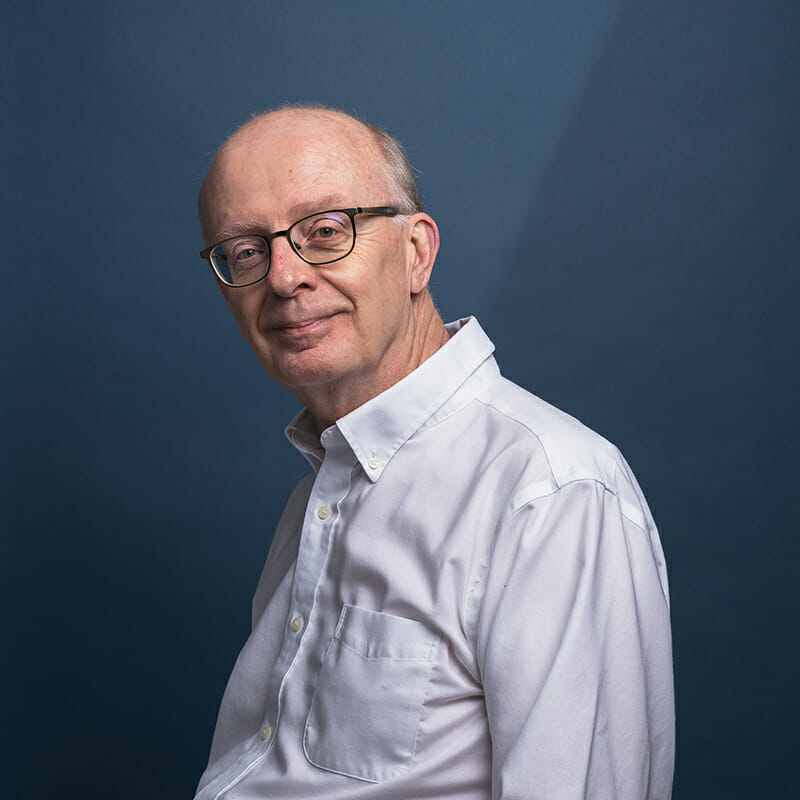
401	173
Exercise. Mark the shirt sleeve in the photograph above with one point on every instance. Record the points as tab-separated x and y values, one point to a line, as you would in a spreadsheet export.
573	642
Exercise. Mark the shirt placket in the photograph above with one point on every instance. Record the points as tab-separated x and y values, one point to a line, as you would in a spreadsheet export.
319	523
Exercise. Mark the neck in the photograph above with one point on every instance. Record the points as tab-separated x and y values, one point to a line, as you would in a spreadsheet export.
330	402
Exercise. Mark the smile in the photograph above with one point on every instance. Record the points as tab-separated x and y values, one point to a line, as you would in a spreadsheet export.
304	327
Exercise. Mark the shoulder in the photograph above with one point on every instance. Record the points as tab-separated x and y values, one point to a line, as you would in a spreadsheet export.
571	451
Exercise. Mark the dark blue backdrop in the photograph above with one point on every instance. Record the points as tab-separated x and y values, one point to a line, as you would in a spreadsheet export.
616	188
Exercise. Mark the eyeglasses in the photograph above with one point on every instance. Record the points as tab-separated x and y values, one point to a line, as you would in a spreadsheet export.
318	239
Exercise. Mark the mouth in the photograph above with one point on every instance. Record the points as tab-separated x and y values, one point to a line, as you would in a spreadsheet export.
303	327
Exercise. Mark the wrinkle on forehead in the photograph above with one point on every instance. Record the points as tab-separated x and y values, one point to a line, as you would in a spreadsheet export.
315	135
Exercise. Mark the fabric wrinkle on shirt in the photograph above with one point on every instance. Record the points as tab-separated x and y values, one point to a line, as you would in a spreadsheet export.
467	597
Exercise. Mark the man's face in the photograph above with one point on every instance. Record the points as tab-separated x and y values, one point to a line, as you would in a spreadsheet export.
346	327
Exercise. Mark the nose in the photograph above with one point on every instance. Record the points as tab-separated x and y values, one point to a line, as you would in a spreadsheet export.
288	273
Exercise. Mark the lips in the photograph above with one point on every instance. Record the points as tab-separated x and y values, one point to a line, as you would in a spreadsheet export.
298	327
304	323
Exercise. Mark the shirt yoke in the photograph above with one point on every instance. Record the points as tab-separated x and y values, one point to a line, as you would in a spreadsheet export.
573	452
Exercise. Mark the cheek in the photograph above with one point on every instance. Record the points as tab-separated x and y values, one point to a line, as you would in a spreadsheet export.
376	305
380	288
245	308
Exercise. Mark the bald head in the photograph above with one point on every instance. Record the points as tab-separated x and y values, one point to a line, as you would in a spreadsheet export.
336	332
377	154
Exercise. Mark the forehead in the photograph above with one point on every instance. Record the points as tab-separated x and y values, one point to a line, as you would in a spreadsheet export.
287	163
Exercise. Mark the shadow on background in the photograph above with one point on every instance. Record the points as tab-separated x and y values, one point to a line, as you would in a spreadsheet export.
653	295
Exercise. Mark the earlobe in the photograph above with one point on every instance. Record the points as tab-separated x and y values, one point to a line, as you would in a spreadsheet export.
424	240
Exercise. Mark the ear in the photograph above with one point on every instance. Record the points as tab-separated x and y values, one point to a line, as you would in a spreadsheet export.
226	294
423	238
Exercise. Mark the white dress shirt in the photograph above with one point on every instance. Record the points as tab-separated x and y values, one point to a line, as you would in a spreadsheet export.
467	598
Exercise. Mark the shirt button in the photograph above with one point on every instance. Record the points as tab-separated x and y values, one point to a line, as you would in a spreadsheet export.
323	512
266	732
297	624
373	463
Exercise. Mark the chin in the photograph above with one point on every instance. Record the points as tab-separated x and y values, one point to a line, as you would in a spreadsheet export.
306	372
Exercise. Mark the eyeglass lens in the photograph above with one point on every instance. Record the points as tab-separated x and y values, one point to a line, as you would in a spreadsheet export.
318	239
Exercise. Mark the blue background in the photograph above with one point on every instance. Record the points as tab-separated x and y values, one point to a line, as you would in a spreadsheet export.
615	184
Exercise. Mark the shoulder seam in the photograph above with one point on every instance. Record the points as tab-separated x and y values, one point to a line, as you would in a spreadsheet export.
522	498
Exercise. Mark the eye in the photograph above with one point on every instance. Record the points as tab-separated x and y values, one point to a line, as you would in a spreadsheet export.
325	229
247	252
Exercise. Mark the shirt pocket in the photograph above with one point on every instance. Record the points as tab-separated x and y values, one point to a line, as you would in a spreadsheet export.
366	709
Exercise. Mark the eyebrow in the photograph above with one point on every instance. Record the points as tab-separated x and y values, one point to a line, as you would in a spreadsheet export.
240	228
296	212
328	202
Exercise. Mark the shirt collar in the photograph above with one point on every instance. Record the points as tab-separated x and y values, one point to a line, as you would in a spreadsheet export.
377	429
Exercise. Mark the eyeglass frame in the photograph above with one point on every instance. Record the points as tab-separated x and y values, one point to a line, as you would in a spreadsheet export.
381	211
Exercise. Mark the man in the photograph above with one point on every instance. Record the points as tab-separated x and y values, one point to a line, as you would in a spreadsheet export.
467	596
